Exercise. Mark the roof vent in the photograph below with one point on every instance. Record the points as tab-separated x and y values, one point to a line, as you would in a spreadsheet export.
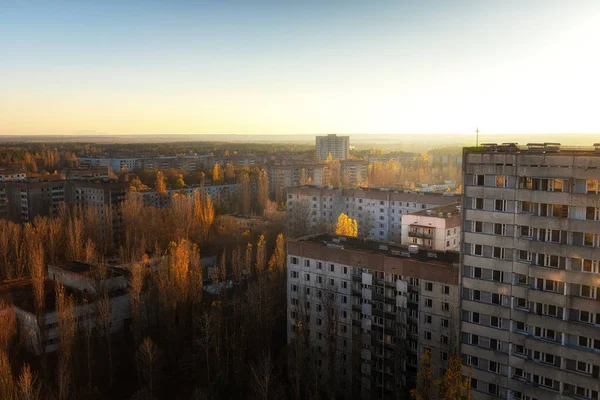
449	214
429	212
441	215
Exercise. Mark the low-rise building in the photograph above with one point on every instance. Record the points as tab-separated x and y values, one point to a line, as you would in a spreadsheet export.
436	228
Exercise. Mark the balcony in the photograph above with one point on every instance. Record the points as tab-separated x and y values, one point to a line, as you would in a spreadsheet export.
421	235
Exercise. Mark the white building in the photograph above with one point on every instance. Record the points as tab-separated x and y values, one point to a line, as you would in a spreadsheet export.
337	146
11	175
436	228
378	212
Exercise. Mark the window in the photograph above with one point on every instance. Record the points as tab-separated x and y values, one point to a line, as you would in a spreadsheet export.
494	367
445	323
475	317
428	303
524	255
474	383
496	322
478	180
307	277
307	263
344	284
500	229
345	270
588	291
445	306
319	265
294	260
428	286
331	268
476	272
427	319
294	274
500	205
445	289
478	204
501	181
498	276
521	302
496	298
477	226
493	389
427	335
477	250
526	207
498	252
331	282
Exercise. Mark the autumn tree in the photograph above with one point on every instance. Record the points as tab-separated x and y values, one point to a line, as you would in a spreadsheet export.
243	193
160	185
216	173
425	384
278	258
453	385
261	254
229	173
28	387
262	191
346	226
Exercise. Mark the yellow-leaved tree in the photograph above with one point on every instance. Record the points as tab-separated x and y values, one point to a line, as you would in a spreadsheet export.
346	226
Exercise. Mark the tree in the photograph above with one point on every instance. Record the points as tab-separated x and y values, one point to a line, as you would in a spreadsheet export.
453	385
346	226
298	218
160	186
148	356
264	378
66	327
277	261
262	191
261	254
424	389
229	173
216	174
27	385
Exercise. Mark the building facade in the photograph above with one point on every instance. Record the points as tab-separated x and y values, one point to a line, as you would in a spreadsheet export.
436	228
337	146
531	250
378	212
387	305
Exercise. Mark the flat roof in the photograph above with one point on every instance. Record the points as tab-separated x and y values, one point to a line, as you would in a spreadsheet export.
453	209
368	246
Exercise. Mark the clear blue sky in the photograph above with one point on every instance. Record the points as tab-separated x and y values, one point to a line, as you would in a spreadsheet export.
299	66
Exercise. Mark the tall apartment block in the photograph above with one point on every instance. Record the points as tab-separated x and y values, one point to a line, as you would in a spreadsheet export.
531	252
337	146
378	211
371	310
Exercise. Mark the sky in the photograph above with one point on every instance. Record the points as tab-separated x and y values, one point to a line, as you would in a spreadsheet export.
299	67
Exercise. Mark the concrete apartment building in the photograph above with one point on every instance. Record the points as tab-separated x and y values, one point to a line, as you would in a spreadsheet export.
436	228
354	172
285	176
337	146
78	282
27	199
218	193
531	251
378	211
11	175
388	305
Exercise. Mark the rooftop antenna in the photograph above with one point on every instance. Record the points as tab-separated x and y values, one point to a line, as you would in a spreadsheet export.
476	137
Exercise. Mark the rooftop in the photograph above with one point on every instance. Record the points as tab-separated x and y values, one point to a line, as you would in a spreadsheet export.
368	246
375	190
544	148
445	211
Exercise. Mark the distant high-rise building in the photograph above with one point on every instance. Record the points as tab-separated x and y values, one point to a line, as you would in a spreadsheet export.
337	146
531	249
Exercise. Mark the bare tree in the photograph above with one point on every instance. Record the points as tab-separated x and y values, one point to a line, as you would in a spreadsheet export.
66	338
265	380
298	218
148	356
